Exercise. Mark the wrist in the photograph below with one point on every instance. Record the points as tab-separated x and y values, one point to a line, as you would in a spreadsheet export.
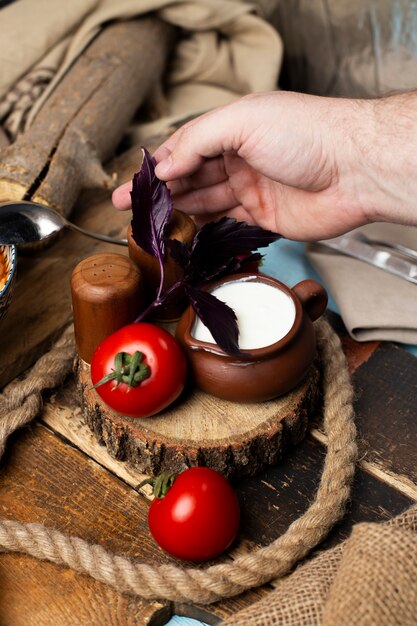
386	142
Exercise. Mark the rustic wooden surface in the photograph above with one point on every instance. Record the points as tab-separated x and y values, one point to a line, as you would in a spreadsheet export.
236	439
56	473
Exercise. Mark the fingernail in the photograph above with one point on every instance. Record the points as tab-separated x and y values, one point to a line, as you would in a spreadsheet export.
165	165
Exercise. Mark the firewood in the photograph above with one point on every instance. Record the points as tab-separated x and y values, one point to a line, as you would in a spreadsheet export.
84	119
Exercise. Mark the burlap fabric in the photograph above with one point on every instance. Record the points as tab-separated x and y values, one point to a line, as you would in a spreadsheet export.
368	580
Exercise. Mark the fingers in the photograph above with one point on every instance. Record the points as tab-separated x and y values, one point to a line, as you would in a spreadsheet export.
207	199
211	173
238	213
121	196
187	149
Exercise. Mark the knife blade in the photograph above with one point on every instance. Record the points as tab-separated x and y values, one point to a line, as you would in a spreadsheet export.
374	255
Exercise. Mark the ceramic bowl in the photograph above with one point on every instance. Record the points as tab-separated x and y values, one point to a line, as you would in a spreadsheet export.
263	373
8	260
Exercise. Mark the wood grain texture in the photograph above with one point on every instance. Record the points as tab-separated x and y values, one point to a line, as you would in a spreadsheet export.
199	429
46	480
278	496
386	410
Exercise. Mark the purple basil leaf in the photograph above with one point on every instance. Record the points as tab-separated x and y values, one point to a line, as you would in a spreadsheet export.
179	250
237	264
151	208
217	243
219	318
255	257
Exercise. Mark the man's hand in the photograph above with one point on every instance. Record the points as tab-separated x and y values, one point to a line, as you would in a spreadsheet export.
304	166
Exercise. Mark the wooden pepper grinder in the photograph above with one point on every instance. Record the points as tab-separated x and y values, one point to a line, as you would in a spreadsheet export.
182	228
107	293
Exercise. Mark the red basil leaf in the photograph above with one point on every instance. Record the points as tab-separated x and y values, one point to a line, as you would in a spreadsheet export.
151	208
255	257
179	250
216	245
219	318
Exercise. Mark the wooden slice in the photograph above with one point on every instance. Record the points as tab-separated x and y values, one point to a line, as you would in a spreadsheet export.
199	429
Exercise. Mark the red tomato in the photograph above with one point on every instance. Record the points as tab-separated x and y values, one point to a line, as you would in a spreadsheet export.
161	362
199	516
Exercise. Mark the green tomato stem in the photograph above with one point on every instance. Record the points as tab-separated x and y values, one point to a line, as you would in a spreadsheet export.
128	369
160	484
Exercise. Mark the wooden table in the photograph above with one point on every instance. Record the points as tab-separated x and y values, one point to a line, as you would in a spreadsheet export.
56	474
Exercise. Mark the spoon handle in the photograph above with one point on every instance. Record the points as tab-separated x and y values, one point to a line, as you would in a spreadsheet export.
119	242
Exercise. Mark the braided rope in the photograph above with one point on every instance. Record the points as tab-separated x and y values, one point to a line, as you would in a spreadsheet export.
21	400
218	581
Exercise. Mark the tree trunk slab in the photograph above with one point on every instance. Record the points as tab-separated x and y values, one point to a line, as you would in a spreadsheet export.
199	429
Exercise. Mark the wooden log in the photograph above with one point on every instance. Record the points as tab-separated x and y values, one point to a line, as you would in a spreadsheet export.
85	117
199	429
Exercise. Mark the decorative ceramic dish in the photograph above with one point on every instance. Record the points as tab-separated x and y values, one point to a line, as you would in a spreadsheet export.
7	276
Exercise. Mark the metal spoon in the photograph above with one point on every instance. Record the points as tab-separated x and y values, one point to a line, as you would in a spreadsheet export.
28	222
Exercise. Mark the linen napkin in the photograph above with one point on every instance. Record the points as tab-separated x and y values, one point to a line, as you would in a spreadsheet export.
374	304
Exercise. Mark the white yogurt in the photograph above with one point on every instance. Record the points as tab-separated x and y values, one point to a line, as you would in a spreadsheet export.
264	313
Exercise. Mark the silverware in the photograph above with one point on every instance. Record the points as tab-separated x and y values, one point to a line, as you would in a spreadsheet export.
373	254
382	243
30	222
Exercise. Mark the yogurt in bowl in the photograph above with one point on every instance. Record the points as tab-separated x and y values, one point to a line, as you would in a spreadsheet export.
264	313
7	276
276	338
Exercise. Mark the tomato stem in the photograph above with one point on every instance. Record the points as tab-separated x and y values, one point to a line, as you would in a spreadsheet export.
128	369
160	484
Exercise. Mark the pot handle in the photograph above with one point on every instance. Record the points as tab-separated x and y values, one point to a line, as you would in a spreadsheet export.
313	297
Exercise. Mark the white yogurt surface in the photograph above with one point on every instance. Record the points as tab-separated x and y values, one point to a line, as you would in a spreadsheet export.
264	313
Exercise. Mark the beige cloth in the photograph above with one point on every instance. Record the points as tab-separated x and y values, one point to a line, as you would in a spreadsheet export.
374	304
228	50
368	580
354	48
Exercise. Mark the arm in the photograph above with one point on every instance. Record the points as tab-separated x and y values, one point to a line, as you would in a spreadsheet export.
305	166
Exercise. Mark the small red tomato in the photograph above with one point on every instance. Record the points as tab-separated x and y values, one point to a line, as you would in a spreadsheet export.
199	516
139	370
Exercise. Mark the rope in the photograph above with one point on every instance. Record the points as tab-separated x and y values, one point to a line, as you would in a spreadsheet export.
208	585
21	400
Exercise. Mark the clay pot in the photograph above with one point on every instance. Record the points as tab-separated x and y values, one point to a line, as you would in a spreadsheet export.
182	228
263	373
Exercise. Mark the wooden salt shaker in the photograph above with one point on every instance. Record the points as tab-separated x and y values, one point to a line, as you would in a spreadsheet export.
107	293
182	228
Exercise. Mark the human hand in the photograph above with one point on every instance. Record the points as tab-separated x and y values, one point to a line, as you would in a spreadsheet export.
304	166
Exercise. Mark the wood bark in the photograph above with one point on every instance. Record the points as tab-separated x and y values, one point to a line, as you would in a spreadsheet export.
199	429
85	117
